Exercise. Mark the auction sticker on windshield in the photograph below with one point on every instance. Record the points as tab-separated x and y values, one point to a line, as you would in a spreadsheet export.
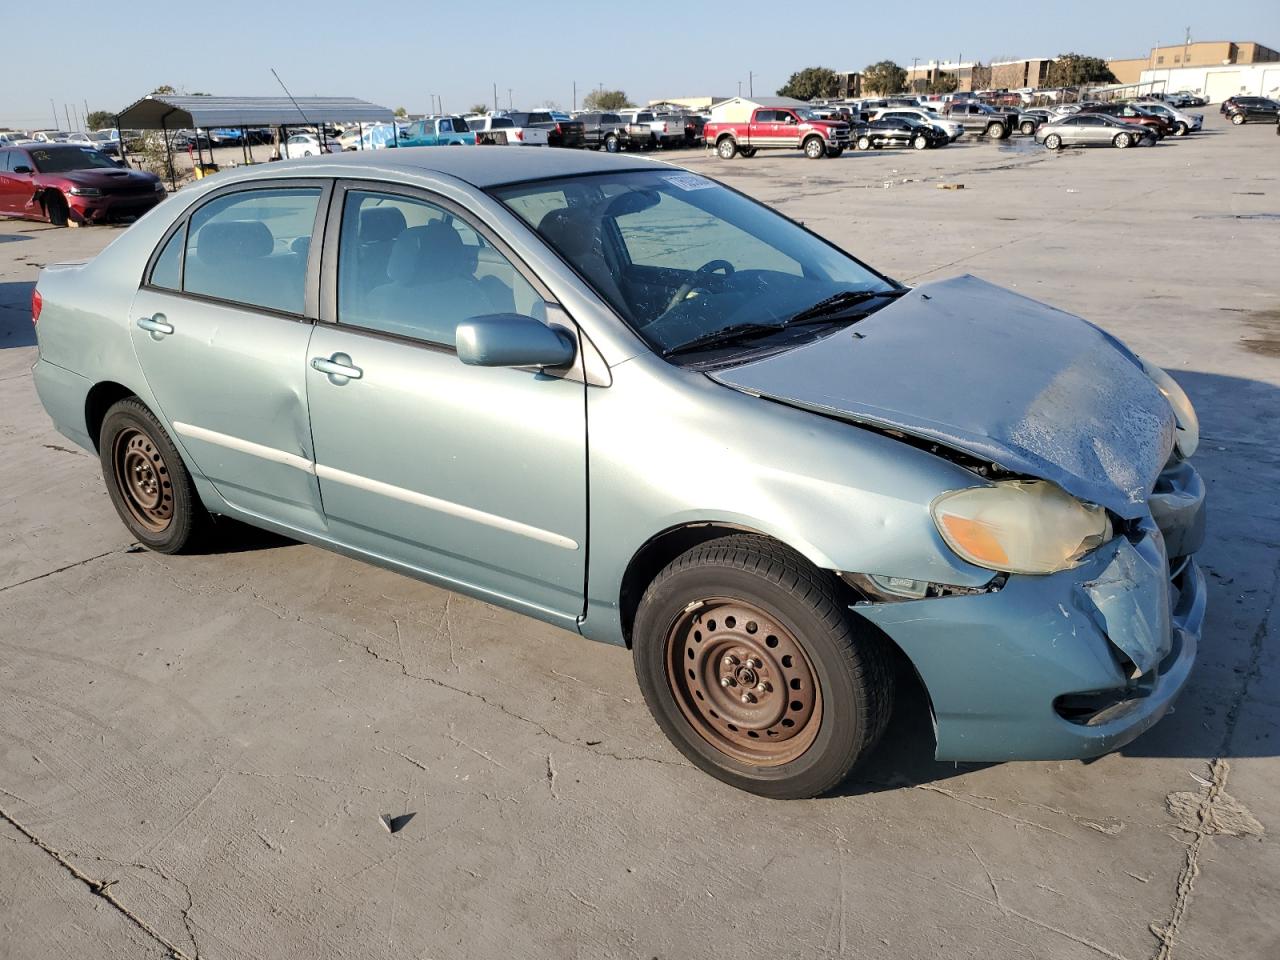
690	181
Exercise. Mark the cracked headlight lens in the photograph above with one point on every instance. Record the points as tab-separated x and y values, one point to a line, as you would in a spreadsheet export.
1188	432
1020	526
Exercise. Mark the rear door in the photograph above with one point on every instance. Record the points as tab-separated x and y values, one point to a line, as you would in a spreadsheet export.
475	476
220	327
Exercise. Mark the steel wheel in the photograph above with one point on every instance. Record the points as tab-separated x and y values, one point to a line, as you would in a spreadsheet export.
743	682
143	480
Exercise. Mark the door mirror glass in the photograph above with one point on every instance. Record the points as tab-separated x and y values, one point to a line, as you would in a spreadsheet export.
512	340
22	168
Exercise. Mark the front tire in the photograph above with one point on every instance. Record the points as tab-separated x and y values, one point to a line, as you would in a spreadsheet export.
56	209
1053	142
147	481
997	131
814	148
747	152
864	143
752	666
1181	130
611	144
921	142
1237	119
727	149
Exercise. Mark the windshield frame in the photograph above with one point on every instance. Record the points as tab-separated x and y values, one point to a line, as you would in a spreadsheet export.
496	191
82	150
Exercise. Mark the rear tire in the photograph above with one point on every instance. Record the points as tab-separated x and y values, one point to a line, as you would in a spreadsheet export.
864	143
748	152
750	619
147	481
921	142
56	209
997	131
611	144
727	149
1237	118
835	152
1028	127
1181	130
1121	141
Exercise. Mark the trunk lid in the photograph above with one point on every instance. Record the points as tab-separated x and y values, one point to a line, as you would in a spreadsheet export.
991	373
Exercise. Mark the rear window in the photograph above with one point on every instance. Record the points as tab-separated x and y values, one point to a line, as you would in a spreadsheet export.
610	118
539	118
644	117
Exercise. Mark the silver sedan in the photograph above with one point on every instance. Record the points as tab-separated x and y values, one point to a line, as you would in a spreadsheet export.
1092	130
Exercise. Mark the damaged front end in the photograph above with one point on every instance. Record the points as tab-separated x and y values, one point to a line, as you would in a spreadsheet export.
1069	664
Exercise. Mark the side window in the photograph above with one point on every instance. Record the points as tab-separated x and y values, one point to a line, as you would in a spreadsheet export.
412	268
4	160
167	272
445	126
251	247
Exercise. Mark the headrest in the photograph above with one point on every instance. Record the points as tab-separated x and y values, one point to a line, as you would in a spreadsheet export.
567	233
427	254
381	223
234	241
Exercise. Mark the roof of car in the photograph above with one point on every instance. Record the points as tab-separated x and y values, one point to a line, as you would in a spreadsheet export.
480	166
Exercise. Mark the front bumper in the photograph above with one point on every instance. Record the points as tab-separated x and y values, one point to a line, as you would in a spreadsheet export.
1070	665
111	206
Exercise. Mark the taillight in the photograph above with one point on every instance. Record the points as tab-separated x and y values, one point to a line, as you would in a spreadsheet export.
37	304
519	134
558	130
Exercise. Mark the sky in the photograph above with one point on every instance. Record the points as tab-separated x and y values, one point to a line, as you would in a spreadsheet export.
406	54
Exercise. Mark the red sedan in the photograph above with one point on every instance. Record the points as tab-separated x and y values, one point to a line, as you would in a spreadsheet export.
62	182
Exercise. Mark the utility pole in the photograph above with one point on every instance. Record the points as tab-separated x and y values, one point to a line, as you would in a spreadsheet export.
751	86
1186	47
509	107
55	113
67	113
914	61
495	96
575	95
739	89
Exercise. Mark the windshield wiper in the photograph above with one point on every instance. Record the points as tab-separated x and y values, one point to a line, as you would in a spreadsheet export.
840	302
729	334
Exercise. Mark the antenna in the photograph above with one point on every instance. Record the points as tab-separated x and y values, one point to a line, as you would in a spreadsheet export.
289	95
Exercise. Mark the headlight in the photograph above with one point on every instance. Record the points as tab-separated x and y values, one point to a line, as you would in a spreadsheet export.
1188	432
1020	526
85	191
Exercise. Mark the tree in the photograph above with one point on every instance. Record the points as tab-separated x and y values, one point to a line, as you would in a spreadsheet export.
401	112
99	119
550	105
884	77
1073	69
980	76
812	82
481	108
164	90
606	100
943	83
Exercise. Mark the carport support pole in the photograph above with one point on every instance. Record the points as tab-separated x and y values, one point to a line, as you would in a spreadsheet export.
124	152
360	132
168	151
244	145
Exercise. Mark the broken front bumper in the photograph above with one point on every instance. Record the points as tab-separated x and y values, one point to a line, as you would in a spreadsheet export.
1069	665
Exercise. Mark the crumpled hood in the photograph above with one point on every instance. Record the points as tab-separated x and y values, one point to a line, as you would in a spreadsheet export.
989	372
107	179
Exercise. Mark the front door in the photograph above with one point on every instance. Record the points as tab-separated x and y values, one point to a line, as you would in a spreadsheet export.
220	327
15	188
475	476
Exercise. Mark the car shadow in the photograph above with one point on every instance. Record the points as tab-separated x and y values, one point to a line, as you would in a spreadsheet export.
16	328
232	536
12	238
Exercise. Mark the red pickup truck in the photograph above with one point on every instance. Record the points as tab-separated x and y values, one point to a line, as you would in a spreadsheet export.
778	128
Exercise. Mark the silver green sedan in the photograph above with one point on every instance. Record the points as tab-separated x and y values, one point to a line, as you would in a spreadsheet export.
1092	130
630	401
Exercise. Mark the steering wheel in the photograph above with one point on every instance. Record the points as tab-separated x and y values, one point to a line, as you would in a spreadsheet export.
699	276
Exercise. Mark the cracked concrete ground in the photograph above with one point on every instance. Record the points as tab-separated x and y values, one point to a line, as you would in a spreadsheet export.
195	751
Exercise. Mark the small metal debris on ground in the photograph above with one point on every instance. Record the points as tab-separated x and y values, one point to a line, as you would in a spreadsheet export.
951	186
395	824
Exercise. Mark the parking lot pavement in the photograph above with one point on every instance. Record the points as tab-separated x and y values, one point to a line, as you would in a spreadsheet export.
195	751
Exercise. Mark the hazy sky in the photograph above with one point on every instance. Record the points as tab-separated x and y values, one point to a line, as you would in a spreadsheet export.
399	54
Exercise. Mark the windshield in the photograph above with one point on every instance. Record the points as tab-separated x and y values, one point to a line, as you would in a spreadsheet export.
681	257
70	158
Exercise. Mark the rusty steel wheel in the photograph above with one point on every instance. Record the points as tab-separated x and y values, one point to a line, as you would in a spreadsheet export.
743	682
147	480
144	480
751	664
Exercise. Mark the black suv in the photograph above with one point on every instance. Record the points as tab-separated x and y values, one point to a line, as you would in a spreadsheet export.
1243	109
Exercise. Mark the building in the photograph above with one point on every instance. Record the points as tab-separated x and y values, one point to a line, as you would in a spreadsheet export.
920	76
1201	53
741	109
1216	83
1031	73
693	104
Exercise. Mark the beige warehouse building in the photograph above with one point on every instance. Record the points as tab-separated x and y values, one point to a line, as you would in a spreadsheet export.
1201	53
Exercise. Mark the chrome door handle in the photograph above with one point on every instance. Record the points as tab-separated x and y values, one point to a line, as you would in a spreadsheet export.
339	368
156	325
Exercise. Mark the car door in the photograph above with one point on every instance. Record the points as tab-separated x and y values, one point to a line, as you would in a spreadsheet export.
16	188
787	129
5	179
475	476
220	327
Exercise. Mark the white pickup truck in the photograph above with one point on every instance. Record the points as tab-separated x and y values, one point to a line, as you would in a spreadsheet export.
665	130
504	132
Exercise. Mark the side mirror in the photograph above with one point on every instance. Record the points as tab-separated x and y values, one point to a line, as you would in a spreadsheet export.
22	168
512	340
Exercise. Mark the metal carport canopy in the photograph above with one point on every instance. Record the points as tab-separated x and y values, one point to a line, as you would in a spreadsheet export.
165	112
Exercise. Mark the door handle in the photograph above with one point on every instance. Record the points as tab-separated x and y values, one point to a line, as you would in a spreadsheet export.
156	325
339	368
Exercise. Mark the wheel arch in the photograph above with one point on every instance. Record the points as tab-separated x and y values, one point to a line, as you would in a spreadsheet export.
102	396
663	547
